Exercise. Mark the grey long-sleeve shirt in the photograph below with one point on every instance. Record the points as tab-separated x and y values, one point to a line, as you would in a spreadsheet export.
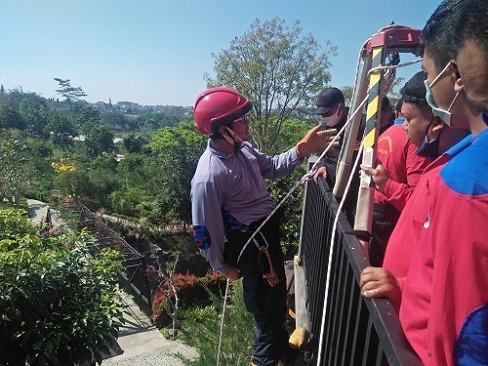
232	183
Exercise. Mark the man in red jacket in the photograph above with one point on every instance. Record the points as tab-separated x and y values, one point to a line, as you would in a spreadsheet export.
444	304
400	167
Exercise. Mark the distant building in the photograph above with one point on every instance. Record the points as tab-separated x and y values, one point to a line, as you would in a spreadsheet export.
143	139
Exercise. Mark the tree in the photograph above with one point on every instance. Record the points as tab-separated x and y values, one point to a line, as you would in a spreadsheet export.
132	145
87	118
280	70
71	93
99	139
178	150
35	114
61	129
347	92
11	118
16	167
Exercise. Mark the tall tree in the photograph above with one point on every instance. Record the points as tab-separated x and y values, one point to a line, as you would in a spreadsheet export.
70	93
279	69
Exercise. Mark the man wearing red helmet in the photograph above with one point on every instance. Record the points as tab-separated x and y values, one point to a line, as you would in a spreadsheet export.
230	200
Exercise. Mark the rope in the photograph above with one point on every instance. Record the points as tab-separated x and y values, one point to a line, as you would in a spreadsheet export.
222	320
309	175
388	67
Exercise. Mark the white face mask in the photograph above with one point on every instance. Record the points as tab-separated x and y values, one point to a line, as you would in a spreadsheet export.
443	114
334	119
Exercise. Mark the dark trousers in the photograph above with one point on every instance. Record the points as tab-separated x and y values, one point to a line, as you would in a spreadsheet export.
385	217
266	303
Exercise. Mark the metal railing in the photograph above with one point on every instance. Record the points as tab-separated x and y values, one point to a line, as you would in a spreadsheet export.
355	330
134	278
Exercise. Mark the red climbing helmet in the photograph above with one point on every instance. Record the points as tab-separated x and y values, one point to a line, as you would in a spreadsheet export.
217	107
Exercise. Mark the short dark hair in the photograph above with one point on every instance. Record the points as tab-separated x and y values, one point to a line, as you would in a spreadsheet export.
385	104
440	34
474	26
398	106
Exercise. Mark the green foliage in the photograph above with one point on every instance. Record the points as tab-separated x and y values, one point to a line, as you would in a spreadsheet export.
293	130
11	118
279	69
61	129
99	139
86	119
153	120
178	150
201	329
35	114
58	301
118	121
132	145
16	165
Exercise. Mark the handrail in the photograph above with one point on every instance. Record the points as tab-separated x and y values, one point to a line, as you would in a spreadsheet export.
358	331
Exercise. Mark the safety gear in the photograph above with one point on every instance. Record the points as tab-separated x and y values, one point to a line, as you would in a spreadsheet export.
216	107
443	114
334	119
315	141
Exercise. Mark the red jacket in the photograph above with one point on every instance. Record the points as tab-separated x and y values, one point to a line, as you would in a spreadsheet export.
399	157
405	237
444	309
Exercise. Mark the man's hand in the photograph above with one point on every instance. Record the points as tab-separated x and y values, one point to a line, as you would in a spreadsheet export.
378	282
315	141
232	274
321	172
378	174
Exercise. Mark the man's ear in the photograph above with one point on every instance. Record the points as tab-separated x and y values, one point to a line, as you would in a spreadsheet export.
458	80
438	125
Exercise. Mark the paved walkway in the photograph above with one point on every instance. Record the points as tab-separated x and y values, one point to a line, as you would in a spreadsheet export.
144	345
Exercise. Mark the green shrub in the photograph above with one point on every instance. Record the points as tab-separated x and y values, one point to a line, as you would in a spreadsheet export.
200	328
59	302
192	291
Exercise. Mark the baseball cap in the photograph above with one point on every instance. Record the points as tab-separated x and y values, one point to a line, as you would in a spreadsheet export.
328	98
414	89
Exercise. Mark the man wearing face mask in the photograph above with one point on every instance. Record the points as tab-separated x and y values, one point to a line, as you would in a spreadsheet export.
444	308
400	167
444	298
331	107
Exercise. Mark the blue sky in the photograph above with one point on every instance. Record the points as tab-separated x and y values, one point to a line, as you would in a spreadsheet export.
156	51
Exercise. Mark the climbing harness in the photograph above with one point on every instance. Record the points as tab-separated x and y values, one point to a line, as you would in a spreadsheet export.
386	43
265	263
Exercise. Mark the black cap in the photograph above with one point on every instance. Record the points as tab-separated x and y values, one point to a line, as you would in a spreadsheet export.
328	98
414	89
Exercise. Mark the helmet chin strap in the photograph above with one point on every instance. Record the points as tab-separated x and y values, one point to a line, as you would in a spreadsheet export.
232	138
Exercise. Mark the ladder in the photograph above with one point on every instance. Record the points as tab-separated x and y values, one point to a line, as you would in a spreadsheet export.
372	78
